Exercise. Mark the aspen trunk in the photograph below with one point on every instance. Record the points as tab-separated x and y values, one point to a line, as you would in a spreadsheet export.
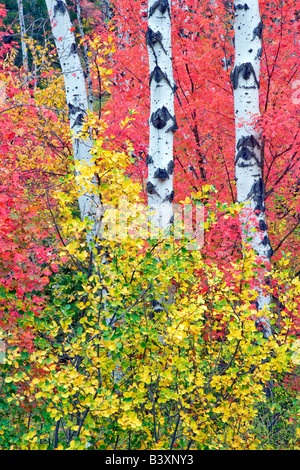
248	157
76	97
22	31
162	121
86	58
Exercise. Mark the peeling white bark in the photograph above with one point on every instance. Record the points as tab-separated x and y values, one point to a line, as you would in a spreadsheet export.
76	97
162	121
248	158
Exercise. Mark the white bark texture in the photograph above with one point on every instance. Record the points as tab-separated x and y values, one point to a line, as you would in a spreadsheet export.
22	31
86	58
248	157
76	97
162	122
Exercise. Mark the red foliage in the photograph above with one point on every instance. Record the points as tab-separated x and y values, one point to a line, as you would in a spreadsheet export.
25	251
204	143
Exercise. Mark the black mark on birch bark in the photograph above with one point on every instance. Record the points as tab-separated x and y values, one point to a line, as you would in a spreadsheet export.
149	160
60	6
170	167
245	147
265	241
160	117
158	75
156	306
150	188
73	48
74	109
154	38
270	252
257	32
259	53
174	126
79	120
162	5
257	192
161	174
170	197
248	141
246	70
246	155
241	7
262	226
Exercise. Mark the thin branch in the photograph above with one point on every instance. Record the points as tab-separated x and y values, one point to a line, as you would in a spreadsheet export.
288	234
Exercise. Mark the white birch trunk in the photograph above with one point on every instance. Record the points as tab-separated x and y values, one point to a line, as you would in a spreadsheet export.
86	58
162	121
248	158
22	31
76	97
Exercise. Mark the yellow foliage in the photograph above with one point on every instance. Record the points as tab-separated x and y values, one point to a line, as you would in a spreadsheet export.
113	369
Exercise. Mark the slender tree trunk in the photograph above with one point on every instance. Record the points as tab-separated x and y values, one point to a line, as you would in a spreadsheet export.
76	97
162	123
249	155
22	31
86	58
162	119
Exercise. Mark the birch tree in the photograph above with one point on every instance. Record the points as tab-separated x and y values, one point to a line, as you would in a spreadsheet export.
86	57
249	149
76	97
162	122
22	31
